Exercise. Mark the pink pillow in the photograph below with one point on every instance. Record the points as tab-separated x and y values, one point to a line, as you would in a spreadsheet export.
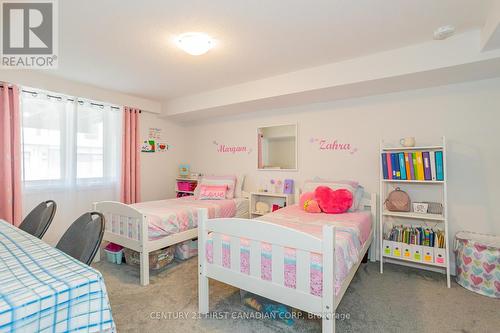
211	192
333	202
228	181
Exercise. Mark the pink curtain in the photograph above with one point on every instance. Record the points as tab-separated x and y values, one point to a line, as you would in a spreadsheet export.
10	155
130	188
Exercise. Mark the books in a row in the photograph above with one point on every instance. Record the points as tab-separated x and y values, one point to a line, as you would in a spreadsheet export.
417	236
418	165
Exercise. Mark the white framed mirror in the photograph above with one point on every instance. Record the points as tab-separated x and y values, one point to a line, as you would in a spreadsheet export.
277	147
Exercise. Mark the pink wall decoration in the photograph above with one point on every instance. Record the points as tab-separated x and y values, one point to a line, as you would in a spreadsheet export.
332	144
231	149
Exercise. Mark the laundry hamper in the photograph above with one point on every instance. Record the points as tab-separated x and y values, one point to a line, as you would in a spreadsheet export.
478	262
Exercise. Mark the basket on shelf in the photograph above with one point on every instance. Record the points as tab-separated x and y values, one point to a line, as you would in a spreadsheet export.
186	186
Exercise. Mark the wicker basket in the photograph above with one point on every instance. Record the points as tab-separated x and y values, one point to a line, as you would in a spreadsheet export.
157	259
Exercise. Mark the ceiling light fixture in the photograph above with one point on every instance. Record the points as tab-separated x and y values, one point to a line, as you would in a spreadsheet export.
195	43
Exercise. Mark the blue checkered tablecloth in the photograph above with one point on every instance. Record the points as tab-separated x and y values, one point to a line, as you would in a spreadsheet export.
45	290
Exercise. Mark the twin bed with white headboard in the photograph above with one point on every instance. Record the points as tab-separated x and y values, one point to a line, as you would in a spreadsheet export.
149	226
231	250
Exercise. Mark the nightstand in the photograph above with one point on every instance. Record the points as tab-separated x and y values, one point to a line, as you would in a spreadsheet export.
280	199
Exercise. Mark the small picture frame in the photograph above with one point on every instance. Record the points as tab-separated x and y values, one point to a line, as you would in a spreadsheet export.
420	207
184	170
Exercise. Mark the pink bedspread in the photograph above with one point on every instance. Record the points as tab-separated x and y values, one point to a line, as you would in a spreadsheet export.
353	229
167	217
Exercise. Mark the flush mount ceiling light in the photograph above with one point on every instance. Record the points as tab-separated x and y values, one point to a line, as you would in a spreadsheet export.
195	43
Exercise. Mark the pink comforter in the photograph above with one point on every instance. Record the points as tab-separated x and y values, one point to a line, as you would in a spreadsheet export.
353	230
167	217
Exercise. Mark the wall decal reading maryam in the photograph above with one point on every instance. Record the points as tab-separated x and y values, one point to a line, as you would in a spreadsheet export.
333	144
231	149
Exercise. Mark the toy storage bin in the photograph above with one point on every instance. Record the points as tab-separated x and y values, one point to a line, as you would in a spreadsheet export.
186	250
186	186
114	253
478	262
157	259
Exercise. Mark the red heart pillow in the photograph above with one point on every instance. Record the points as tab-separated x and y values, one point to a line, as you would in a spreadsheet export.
333	202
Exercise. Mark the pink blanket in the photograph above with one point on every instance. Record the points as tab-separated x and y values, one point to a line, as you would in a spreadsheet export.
353	229
167	217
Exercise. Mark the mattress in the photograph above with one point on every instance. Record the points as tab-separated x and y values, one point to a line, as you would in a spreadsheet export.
353	230
167	217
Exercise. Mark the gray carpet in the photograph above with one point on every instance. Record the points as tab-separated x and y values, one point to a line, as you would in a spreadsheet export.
400	300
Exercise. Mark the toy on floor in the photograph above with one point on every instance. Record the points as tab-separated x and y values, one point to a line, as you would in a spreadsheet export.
272	309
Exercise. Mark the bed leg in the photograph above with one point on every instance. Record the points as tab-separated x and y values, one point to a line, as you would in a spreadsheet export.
144	268
203	293
328	324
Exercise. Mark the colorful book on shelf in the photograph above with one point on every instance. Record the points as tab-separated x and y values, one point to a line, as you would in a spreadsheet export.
384	166
395	166
433	165
409	175
412	165
439	165
402	166
415	168
427	165
420	166
389	165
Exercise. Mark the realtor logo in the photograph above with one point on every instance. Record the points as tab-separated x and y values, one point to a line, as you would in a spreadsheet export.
29	34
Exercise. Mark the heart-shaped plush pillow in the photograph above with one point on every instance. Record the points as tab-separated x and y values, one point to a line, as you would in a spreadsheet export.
333	202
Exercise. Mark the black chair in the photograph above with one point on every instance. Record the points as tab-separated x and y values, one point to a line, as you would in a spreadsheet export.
39	219
83	238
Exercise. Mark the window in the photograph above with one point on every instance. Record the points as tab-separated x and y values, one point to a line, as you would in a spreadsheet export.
69	142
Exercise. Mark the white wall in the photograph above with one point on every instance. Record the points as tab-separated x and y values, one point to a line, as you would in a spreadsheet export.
467	114
159	170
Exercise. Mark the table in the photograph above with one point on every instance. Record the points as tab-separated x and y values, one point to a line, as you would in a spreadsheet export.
44	290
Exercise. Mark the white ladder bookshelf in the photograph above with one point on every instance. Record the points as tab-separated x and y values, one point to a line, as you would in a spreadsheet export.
438	188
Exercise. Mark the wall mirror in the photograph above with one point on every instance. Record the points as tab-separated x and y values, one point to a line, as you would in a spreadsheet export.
277	147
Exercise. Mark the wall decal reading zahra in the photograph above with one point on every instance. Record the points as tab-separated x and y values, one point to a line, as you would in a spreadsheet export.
231	149
333	144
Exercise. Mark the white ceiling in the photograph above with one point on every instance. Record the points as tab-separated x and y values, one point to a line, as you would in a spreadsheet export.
126	45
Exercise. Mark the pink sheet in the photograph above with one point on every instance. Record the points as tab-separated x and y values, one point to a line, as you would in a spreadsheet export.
353	230
167	217
296	218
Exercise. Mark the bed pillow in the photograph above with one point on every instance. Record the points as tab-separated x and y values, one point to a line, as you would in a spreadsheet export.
356	190
228	181
333	201
212	192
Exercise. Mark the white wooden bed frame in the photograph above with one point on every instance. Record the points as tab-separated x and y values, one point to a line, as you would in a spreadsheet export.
279	237
132	221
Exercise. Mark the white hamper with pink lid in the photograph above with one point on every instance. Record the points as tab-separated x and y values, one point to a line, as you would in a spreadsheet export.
478	262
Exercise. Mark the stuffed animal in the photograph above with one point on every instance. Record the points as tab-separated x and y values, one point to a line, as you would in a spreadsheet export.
262	207
333	202
308	203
